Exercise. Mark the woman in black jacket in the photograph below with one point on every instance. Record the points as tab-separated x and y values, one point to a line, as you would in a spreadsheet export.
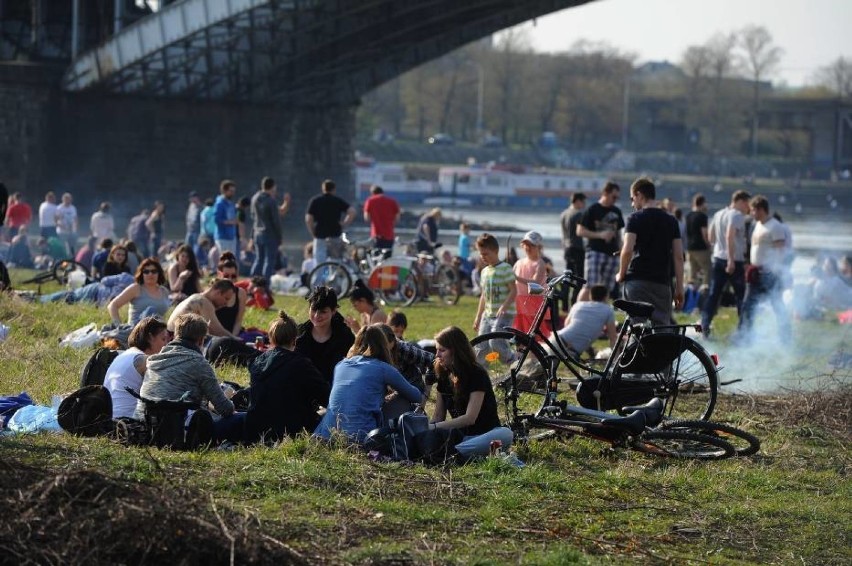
324	339
286	388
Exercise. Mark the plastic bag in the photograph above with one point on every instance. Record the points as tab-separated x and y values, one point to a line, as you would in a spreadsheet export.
34	418
84	337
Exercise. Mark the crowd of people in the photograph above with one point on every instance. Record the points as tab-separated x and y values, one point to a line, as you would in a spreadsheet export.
332	375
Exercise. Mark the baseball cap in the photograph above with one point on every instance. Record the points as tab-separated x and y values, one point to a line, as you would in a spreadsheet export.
533	238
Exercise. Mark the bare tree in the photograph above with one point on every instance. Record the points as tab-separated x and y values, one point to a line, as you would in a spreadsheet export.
760	57
837	77
720	49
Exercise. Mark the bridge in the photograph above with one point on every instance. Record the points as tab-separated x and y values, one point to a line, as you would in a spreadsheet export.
102	99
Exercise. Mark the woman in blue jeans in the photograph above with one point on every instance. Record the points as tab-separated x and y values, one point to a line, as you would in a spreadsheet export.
466	396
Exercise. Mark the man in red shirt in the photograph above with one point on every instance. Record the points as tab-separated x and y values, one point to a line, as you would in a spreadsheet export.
382	212
18	214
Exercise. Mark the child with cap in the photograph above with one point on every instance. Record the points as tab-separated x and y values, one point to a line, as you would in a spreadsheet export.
530	269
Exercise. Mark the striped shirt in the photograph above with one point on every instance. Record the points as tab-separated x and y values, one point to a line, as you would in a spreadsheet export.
495	283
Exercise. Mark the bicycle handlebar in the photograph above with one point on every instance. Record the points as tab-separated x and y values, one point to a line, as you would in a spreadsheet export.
569	276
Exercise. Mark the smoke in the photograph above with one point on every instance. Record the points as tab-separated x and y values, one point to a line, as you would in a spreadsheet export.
761	361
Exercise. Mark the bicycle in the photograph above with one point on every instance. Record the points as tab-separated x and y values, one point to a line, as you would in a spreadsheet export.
646	362
633	431
397	280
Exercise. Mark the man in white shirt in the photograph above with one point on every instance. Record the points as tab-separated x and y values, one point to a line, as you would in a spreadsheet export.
727	235
66	223
47	216
102	223
764	275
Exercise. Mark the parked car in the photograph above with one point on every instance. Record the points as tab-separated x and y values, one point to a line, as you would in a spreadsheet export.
441	139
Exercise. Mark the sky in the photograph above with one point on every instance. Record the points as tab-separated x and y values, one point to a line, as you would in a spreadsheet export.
812	33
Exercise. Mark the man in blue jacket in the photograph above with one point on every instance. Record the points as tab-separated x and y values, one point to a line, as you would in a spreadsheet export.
225	215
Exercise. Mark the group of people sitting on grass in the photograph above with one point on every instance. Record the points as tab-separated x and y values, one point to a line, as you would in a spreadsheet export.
316	377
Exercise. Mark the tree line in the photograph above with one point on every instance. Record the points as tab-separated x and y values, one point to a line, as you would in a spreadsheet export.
587	93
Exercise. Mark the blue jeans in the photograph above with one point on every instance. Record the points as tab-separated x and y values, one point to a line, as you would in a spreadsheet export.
227	246
768	288
719	278
480	445
229	428
191	240
494	324
266	257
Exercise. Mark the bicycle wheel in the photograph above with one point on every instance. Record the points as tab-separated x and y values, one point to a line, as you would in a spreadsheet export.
502	353
688	385
744	443
404	295
447	283
331	274
681	444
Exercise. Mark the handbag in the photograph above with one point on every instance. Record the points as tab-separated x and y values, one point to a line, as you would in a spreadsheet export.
407	427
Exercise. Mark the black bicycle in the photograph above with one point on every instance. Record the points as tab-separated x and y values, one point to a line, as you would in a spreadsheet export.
647	362
633	432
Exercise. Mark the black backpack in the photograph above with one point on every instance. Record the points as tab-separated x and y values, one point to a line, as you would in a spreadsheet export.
87	412
95	369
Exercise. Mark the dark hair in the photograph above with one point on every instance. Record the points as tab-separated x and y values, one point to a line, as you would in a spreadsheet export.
140	336
328	186
259	281
228	256
577	197
740	195
455	340
398	318
370	341
390	338
376	190
106	243
599	293
761	202
322	298
115	248
487	241
148	261
698	200
244	201
267	183
360	291
610	187
645	187
209	202
282	330
222	285
225	185
192	264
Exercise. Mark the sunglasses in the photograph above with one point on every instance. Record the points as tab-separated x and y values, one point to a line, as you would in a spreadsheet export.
150	272
229	275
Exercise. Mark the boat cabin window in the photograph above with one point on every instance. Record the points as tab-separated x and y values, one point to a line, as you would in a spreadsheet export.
547	184
392	178
494	181
464	178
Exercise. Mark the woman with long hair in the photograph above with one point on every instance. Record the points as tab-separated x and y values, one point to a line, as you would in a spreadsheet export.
360	383
184	274
148	296
116	261
465	396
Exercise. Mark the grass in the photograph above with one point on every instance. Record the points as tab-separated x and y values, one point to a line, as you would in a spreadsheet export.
572	503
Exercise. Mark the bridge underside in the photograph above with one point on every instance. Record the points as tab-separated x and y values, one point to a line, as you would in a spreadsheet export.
301	52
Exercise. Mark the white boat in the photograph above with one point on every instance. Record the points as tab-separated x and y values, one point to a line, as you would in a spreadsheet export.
490	186
498	186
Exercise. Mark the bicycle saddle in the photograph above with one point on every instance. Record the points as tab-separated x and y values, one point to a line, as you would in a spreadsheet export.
634	308
653	411
633	423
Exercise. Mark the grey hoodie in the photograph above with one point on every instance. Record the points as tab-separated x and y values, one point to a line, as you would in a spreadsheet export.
178	369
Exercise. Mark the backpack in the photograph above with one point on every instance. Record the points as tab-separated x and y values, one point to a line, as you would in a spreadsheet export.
87	412
170	425
95	369
396	441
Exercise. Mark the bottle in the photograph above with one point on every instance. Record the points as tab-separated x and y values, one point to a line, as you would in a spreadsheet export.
495	446
258	343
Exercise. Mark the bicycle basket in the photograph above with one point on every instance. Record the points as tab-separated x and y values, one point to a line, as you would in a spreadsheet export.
653	353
